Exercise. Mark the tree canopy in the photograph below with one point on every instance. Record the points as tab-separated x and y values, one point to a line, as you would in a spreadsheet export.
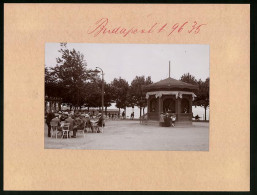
136	92
77	85
202	95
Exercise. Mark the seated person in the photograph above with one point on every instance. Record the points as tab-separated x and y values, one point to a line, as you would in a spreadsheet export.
167	120
71	121
87	122
56	122
79	125
173	119
162	119
63	117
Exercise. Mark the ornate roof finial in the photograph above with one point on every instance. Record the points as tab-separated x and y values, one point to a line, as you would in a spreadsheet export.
169	69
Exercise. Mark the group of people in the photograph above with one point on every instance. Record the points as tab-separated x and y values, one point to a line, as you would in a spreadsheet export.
123	116
77	121
113	116
167	119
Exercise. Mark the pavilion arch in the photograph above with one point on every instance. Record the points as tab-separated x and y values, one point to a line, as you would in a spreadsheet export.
169	105
185	105
153	105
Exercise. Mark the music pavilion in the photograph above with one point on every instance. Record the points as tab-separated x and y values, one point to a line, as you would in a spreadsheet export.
170	95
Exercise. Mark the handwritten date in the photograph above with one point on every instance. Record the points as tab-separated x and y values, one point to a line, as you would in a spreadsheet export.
102	27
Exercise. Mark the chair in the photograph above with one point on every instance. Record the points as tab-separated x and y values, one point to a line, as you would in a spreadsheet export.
65	130
54	127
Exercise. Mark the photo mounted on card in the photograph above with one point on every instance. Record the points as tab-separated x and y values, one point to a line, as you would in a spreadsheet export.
144	96
126	97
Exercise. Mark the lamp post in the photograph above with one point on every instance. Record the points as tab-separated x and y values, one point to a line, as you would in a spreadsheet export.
102	72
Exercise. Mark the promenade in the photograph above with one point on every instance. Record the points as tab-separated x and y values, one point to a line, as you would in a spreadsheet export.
130	135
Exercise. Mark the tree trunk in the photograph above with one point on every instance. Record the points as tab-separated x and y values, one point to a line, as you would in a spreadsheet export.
143	110
125	112
205	112
119	113
106	110
140	111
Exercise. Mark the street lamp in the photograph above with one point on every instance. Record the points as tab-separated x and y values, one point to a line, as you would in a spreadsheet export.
101	71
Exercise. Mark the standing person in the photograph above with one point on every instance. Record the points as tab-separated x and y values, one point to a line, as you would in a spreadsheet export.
123	115
49	117
132	115
100	122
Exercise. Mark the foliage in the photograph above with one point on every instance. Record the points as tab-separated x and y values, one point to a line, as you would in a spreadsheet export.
188	78
202	98
120	89
136	92
71	75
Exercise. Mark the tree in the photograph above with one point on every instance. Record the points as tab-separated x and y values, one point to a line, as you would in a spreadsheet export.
188	78
108	95
202	98
136	93
93	94
71	75
202	94
52	87
120	89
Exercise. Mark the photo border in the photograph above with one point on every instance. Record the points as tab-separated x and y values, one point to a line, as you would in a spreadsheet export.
253	81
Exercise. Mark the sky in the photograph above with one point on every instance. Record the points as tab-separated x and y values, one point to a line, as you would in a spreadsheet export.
130	60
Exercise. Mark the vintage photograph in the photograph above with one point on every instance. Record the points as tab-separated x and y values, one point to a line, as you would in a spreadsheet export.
152	97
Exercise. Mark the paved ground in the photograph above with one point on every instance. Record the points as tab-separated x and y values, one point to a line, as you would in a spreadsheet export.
130	135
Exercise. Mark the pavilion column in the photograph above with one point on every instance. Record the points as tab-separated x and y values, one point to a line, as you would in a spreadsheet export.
148	105
160	107
176	105
179	105
178	102
190	105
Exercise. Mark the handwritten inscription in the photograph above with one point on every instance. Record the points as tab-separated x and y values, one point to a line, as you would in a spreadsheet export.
102	27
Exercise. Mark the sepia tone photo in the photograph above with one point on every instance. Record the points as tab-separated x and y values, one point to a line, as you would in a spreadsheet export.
127	97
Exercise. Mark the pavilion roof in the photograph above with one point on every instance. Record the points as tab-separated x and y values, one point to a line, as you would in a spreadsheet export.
170	84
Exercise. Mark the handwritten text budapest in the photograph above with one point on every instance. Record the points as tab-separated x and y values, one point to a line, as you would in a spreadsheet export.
102	27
